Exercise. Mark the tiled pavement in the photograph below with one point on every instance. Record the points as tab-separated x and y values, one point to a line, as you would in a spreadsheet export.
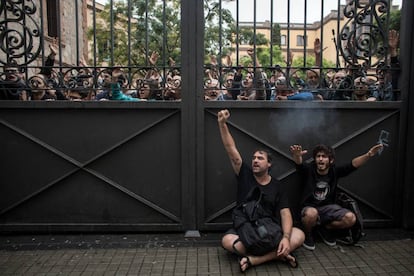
384	253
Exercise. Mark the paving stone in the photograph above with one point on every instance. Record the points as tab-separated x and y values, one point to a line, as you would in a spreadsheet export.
36	257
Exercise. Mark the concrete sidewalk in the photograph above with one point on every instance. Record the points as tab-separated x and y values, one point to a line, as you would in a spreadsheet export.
384	253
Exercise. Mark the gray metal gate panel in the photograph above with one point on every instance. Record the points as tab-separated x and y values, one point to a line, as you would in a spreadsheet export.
90	169
119	167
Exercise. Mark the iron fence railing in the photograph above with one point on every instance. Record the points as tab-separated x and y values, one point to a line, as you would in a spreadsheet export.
250	65
125	50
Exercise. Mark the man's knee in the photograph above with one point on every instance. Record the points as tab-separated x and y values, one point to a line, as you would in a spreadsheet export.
228	240
349	219
297	238
309	214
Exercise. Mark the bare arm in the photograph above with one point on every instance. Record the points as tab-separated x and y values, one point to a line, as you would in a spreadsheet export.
289	58
254	58
287	223
393	40
362	159
297	153
317	51
228	141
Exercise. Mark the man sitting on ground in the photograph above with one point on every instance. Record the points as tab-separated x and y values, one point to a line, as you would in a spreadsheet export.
320	180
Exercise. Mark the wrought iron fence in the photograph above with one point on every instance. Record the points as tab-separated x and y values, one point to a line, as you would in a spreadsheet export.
254	59
130	50
116	50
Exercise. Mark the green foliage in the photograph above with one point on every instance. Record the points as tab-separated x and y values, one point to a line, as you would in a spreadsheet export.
395	20
393	24
298	64
247	36
111	44
153	26
218	30
156	27
276	38
310	62
267	60
258	39
264	57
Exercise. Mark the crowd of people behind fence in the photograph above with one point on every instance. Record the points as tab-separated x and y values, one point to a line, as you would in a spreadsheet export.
222	80
254	82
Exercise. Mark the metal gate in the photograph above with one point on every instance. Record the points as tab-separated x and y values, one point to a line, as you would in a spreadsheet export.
91	168
160	166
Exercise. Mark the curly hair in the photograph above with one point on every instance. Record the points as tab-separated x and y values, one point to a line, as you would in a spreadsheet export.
325	149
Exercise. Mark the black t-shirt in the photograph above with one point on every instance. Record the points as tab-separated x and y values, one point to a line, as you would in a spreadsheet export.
319	189
275	197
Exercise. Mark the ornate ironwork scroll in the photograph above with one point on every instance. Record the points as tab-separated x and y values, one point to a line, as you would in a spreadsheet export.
20	35
364	35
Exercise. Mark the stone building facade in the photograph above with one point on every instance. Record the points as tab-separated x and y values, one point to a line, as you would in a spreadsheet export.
33	26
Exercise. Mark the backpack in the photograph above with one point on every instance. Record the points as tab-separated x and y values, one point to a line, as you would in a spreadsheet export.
351	235
256	226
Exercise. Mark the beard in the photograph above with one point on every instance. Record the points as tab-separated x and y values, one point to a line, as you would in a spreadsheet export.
258	171
260	174
322	167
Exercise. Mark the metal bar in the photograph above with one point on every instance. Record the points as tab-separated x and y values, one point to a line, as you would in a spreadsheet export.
364	129
146	52
76	32
129	40
271	34
94	42
220	212
365	202
305	28
337	34
59	33
322	44
112	47
192	88
237	33
289	62
404	196
41	143
164	40
135	196
42	26
219	59
254	39
37	192
129	138
255	137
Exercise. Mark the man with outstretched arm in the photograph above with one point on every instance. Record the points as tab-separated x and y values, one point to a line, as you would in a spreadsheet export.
319	180
249	177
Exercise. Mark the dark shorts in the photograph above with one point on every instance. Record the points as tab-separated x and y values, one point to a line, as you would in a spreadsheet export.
329	213
230	231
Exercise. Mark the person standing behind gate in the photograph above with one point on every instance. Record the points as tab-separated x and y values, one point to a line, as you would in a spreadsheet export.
275	197
320	179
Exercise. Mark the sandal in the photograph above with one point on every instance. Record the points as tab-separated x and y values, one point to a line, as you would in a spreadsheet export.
291	263
247	263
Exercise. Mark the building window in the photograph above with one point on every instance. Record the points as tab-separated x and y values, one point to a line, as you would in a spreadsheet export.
300	40
52	20
283	40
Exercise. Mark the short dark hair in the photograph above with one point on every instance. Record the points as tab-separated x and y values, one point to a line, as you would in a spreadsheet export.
268	153
325	149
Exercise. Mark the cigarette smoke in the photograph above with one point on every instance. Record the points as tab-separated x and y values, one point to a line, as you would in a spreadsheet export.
307	127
